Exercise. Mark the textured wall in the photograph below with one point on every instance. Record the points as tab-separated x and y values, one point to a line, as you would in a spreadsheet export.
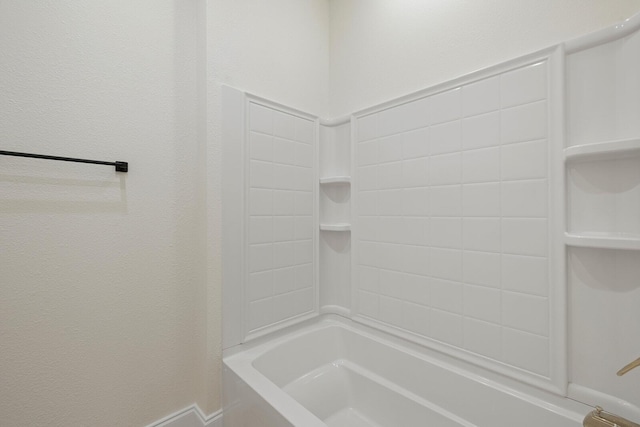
101	312
383	49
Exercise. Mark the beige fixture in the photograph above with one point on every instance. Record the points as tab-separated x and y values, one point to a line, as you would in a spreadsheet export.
601	418
629	367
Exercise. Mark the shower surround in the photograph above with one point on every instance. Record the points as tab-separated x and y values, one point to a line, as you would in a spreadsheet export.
445	219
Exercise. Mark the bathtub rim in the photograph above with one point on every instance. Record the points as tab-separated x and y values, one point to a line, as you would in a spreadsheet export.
240	360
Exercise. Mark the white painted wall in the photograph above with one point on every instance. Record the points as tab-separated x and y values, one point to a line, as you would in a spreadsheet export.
101	290
278	50
382	49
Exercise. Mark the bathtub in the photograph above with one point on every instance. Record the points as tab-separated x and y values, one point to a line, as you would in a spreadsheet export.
337	373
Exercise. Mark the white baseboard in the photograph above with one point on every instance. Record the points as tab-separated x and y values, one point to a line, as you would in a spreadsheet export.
191	416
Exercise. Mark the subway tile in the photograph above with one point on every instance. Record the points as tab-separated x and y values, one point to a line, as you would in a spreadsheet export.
445	138
368	228
527	351
261	118
526	160
446	295
525	199
368	177
446	264
368	153
390	256
390	175
446	327
367	203
303	202
260	257
446	233
284	125
527	313
481	131
369	278
284	306
446	200
416	318
416	288
481	199
283	202
415	231
481	97
415	172
391	229
525	274
482	303
260	285
524	236
261	147
284	151
283	177
303	179
414	259
303	252
390	283
390	149
390	310
524	85
481	268
446	106
304	276
524	123
481	234
260	229
304	155
283	228
283	280
303	300
445	169
417	113
368	253
303	227
481	165
415	143
483	338
305	131
260	313
368	127
390	202
414	201
260	201
368	304
283	254
261	174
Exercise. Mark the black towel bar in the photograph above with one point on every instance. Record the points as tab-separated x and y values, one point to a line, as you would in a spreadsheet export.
120	166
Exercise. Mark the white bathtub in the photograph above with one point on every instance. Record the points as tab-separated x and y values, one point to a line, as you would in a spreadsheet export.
334	372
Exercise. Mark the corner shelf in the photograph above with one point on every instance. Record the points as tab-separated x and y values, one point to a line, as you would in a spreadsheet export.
336	180
603	240
608	150
335	227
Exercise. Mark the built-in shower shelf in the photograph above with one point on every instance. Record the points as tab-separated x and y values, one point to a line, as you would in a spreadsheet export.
609	150
603	240
343	226
335	180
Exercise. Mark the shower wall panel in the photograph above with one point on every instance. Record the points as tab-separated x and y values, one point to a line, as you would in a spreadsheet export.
451	231
280	205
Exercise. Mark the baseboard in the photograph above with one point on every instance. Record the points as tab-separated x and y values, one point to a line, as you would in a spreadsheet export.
191	416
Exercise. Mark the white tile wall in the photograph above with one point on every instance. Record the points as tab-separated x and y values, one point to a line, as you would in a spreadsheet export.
451	217
280	220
